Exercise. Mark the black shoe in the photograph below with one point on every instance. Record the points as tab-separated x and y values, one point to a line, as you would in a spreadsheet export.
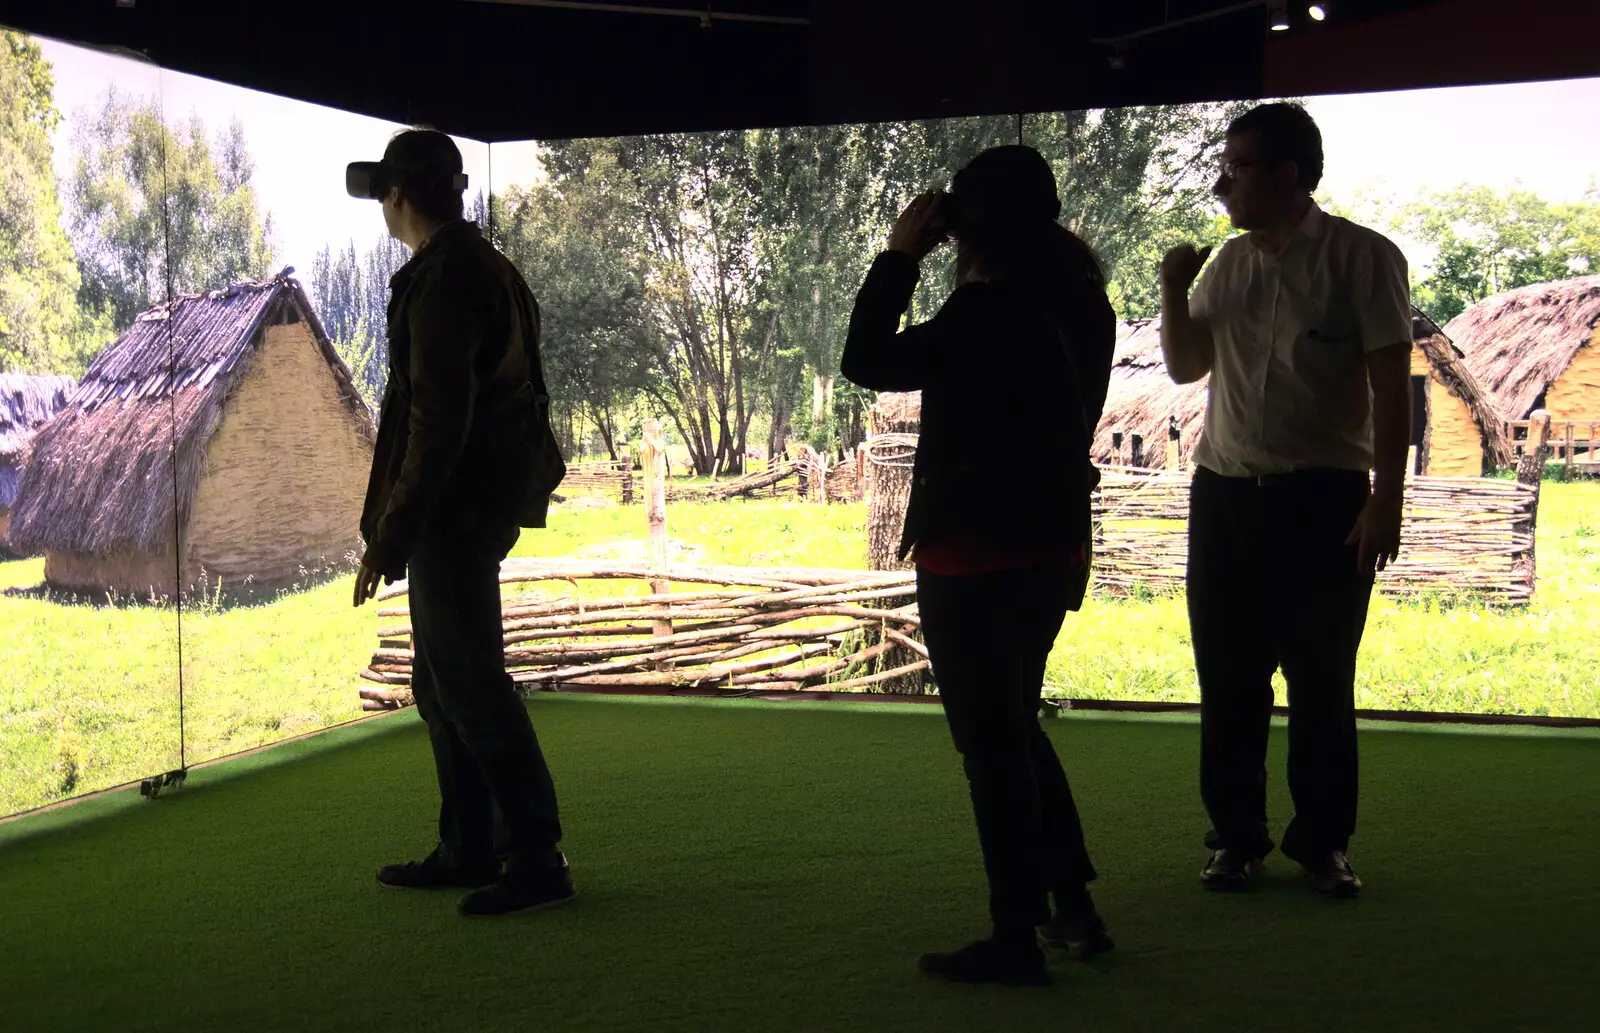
520	891
431	873
1230	870
1082	937
1334	877
989	961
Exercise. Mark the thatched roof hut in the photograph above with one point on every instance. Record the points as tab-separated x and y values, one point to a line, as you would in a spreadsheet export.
26	403
220	439
1533	348
1456	431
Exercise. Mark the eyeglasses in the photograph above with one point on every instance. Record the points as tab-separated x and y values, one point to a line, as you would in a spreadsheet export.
1230	169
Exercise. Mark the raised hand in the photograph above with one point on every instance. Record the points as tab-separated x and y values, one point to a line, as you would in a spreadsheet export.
1182	264
920	227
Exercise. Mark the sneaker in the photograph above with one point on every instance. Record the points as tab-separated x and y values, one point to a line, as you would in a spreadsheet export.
989	961
1230	870
1081	937
1334	877
518	892
431	873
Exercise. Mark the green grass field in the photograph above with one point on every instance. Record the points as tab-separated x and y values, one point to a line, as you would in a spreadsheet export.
747	866
90	692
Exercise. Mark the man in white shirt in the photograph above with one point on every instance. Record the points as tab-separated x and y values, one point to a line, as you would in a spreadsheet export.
1304	325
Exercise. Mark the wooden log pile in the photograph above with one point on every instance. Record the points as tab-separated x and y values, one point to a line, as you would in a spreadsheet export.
766	484
735	628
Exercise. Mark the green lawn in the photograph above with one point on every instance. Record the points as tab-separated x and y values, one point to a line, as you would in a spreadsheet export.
774	867
89	697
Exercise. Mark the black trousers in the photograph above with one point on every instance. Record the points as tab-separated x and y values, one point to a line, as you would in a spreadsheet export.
988	636
497	801
1271	584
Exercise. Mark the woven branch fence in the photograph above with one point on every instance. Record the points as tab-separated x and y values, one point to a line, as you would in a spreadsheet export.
737	628
1460	536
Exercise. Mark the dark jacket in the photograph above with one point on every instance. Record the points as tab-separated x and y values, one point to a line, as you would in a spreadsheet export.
463	350
1013	383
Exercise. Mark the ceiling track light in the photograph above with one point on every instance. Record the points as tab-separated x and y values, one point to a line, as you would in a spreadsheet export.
1318	12
1278	11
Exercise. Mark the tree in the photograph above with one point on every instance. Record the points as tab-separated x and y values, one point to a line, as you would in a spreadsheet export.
157	210
690	197
351	293
1134	182
42	329
582	260
1485	241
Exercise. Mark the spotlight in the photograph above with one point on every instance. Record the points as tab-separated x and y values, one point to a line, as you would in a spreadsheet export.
1318	12
1280	16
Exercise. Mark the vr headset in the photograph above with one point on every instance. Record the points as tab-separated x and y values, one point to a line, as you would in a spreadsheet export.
372	180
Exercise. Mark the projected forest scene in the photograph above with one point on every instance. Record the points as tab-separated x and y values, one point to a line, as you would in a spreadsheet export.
193	351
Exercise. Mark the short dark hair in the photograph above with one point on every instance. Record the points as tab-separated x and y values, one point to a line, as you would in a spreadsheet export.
428	161
1287	133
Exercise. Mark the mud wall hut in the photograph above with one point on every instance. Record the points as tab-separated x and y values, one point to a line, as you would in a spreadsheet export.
27	402
220	440
1534	348
1456	429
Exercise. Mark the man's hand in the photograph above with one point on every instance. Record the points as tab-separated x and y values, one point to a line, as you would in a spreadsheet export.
1377	533
366	583
1181	265
919	229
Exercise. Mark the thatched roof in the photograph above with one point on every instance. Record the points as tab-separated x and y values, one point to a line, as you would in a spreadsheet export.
1143	400
99	480
1518	342
1451	368
26	403
896	408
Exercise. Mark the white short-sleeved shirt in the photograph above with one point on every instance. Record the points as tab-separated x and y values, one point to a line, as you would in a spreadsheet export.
1292	331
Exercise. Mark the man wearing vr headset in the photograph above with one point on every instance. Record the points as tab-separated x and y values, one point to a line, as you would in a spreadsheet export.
464	457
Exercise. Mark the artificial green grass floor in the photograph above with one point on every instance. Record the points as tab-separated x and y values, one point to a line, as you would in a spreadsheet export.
746	866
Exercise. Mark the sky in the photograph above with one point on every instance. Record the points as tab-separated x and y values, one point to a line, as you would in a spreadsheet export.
1542	136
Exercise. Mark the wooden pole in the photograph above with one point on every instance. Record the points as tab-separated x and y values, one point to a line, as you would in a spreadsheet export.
654	451
861	470
1137	446
1530	471
1566	472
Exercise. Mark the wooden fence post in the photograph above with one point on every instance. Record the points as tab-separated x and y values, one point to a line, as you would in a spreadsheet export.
627	477
1566	472
1530	471
653	451
861	471
1137	449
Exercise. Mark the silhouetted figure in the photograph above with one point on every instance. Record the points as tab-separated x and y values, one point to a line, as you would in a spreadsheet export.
1021	351
464	458
1294	321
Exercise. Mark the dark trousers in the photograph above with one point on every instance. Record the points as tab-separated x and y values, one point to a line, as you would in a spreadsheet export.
496	798
1271	584
988	636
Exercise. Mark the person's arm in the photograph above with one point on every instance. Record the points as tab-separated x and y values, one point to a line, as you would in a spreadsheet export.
1381	292
447	329
878	355
1186	342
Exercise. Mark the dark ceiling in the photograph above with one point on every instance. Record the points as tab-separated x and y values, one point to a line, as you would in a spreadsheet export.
520	69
